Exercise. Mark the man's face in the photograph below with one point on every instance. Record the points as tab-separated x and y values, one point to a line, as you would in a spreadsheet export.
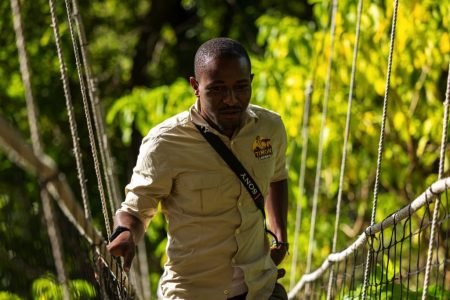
223	88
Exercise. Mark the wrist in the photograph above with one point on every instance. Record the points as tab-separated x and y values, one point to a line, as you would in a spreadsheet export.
117	231
281	245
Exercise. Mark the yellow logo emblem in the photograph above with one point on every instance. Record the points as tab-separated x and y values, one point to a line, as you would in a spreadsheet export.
262	148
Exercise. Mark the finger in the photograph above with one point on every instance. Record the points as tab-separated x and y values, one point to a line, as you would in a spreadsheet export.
114	249
128	259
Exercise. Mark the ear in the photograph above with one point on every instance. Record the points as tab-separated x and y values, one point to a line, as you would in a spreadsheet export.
251	77
194	85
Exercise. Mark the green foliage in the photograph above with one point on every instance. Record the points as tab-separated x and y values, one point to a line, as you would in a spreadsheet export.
396	291
48	288
142	55
297	54
8	296
81	289
147	107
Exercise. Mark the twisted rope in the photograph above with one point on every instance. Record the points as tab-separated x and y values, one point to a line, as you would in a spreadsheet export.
344	147
70	112
88	121
381	142
102	140
105	153
322	129
301	181
434	222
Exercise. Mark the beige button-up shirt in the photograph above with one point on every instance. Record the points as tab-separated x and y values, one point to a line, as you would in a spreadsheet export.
213	224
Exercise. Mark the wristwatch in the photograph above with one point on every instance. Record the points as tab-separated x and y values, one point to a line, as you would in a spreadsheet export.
117	231
278	244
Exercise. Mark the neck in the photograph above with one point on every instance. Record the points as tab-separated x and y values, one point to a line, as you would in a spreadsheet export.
229	133
225	131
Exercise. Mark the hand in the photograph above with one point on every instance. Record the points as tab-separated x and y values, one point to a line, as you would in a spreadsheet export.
278	253
123	245
281	273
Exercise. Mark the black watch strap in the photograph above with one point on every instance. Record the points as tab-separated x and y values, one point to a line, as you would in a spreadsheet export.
117	231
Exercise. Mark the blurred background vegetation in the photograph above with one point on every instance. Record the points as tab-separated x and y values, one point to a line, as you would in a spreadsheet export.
142	53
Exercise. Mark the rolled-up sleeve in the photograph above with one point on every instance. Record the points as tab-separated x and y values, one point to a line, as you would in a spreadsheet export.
150	183
280	172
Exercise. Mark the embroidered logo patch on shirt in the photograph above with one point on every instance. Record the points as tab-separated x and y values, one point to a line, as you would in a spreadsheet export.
262	148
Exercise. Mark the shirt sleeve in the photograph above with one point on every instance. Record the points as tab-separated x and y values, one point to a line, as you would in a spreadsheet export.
280	172
150	183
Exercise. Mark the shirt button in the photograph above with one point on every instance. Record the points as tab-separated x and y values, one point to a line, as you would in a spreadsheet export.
240	203
238	231
226	292
233	260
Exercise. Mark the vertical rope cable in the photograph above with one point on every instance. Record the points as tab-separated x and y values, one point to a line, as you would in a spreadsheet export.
304	153
346	135
301	182
52	227
322	129
438	199
102	139
381	141
87	114
70	112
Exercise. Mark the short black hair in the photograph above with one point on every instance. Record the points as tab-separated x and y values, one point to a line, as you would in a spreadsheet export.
218	47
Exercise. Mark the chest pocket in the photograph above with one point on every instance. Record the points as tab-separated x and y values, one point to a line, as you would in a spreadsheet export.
202	193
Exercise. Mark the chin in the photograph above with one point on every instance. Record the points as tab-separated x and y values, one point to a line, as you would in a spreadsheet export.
231	120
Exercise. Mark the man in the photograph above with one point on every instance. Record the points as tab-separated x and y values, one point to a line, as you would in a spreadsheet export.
217	246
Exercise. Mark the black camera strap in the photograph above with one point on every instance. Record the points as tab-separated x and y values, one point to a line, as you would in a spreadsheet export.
239	170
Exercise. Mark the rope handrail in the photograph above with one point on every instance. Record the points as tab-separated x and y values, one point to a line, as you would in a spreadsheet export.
427	197
43	166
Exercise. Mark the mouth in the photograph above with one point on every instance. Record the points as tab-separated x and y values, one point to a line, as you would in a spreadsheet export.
230	113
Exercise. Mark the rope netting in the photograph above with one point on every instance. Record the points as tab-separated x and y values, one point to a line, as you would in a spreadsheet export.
397	267
106	268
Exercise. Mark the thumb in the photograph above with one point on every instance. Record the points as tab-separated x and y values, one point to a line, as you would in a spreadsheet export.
128	258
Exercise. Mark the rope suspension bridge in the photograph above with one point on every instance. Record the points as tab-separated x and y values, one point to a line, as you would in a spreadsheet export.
405	256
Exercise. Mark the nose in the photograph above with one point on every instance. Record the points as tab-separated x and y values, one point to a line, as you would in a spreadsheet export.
230	97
